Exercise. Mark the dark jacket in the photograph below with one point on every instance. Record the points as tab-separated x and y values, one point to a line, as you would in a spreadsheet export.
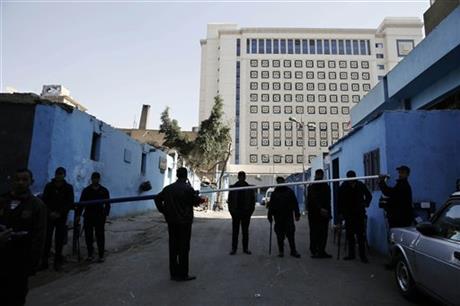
399	205
176	202
353	201
28	220
283	205
318	197
58	199
241	202
100	210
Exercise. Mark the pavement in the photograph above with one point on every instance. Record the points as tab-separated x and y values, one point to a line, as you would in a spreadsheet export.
136	270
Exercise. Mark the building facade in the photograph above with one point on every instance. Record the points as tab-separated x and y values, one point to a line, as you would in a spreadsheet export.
267	75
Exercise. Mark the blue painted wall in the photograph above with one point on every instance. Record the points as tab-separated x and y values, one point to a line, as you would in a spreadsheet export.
62	138
427	141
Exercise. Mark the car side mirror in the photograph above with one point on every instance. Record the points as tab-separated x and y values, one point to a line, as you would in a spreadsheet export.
426	228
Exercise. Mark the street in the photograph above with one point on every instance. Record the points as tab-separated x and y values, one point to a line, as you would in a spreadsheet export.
139	275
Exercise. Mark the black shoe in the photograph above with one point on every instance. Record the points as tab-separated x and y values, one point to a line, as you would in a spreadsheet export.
281	254
349	257
324	255
247	252
315	256
364	260
185	278
295	254
44	266
233	252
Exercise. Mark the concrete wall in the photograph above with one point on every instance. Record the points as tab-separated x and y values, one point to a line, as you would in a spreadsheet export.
62	138
411	138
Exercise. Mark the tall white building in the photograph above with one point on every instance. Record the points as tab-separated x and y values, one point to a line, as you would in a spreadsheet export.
266	75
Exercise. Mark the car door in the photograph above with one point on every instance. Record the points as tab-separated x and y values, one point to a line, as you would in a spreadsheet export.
438	257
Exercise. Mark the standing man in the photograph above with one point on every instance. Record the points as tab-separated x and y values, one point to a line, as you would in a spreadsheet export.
22	237
398	209
284	207
176	202
354	198
95	216
241	205
59	199
319	213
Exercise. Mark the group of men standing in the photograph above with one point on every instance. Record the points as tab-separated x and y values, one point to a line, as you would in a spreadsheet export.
28	224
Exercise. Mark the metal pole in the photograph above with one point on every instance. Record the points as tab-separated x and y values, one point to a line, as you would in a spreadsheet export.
152	196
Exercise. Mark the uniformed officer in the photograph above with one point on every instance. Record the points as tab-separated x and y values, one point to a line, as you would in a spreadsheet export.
22	237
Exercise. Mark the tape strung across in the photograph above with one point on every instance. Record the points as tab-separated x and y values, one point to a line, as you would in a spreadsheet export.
152	196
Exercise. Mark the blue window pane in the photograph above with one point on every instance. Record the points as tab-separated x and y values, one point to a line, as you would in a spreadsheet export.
348	46
261	46
238	47
268	46
355	47
341	47
247	46
334	46
319	46
304	46
362	47
254	46
290	46
312	47
276	46
283	46
297	46
326	47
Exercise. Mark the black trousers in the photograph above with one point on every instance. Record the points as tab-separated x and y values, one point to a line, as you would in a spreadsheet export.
14	284
179	248
244	222
285	230
318	234
58	228
95	225
355	226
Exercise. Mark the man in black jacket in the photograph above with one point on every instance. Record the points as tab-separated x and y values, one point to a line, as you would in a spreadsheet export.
176	202
353	199
23	230
399	204
284	207
58	197
95	216
241	205
319	214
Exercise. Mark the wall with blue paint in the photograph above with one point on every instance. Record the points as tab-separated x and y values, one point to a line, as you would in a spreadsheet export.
426	141
62	138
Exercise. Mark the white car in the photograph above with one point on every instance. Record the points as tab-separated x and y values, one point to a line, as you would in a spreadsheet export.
266	198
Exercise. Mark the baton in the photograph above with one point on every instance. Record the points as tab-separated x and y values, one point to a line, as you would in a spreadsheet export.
270	243
152	196
339	239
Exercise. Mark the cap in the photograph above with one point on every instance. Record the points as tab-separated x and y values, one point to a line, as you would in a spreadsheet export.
403	168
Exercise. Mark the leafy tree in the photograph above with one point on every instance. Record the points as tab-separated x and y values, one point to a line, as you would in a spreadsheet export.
174	137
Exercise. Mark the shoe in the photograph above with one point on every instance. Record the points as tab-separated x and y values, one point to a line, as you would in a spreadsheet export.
90	258
281	254
185	278
295	254
57	267
233	252
101	259
324	255
44	266
364	260
247	252
349	257
315	256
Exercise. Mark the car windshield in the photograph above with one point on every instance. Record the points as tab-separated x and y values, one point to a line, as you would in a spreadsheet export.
448	222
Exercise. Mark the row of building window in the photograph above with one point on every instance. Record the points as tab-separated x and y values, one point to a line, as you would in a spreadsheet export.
311	110
307	46
332	75
278	159
254	97
310	86
288	126
309	64
312	143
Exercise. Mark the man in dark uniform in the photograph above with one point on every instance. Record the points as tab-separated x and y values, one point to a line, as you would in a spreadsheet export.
22	232
241	205
176	202
284	207
95	216
59	198
398	207
353	199
319	214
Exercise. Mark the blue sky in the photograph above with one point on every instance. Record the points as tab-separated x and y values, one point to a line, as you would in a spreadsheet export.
114	57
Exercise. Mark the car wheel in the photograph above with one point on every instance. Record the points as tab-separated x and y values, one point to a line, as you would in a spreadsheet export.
404	280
